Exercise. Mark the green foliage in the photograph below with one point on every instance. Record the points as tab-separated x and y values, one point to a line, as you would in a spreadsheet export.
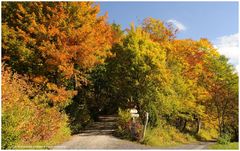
26	119
153	114
166	77
164	135
207	134
137	71
123	123
9	136
79	116
65	57
230	146
224	139
127	128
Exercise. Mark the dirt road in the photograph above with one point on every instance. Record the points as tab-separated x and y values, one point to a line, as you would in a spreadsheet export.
99	136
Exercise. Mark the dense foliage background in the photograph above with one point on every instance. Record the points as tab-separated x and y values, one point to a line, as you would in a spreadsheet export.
63	65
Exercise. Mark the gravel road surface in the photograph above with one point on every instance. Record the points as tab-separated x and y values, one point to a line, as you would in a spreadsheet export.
99	136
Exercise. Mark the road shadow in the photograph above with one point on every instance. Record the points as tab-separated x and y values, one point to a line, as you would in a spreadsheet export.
104	125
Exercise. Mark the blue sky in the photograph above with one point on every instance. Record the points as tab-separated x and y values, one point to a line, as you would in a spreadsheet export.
217	21
201	19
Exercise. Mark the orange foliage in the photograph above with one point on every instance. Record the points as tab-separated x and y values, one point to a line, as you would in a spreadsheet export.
158	30
58	94
59	36
30	119
191	56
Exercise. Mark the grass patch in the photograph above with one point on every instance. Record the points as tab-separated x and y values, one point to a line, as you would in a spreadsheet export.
233	146
166	136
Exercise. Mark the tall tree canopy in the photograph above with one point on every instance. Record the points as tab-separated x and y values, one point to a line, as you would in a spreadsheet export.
54	42
51	46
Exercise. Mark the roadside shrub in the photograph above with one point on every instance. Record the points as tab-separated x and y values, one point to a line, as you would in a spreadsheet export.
79	116
62	134
43	125
25	120
124	122
16	108
126	128
207	134
9	136
224	139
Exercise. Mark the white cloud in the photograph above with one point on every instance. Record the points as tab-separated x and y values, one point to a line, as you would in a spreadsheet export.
229	46
238	69
177	24
228	41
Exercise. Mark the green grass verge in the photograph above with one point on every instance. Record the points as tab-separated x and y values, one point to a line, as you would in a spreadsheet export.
167	136
233	146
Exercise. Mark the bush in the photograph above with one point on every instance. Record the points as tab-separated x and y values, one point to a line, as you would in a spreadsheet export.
224	139
9	136
61	135
26	119
127	129
123	123
16	108
207	134
79	116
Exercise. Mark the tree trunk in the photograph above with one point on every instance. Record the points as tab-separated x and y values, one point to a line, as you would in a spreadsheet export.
184	125
198	125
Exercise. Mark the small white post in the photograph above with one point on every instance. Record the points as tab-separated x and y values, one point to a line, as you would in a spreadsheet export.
145	126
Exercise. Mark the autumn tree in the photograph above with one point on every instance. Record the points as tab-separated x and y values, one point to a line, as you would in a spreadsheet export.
65	57
222	84
159	31
138	72
54	43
